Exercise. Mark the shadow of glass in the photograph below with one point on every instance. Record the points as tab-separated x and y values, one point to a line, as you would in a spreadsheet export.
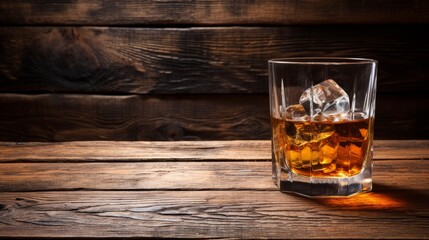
382	197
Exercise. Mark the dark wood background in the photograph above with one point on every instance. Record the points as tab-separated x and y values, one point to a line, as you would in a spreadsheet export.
194	70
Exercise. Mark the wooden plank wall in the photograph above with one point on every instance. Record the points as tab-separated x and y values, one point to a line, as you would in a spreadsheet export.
194	70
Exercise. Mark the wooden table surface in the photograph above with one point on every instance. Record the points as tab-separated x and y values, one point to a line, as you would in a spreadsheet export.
213	189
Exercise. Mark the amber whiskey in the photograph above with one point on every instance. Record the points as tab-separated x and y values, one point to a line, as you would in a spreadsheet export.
322	148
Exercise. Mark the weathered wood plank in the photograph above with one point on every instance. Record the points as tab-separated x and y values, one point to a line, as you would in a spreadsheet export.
136	151
136	176
248	206
395	149
101	151
401	116
211	12
56	117
388	214
197	60
405	174
69	117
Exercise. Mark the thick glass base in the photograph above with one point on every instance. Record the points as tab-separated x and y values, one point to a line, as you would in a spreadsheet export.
326	187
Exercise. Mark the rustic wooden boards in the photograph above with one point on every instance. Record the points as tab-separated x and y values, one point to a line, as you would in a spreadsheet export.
65	117
177	176
214	189
161	63
211	214
197	60
108	151
196	83
212	12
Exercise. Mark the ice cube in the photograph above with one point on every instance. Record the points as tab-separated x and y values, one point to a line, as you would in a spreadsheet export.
302	133
326	98
321	117
295	112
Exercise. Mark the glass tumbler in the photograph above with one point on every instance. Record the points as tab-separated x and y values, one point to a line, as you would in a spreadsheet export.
322	119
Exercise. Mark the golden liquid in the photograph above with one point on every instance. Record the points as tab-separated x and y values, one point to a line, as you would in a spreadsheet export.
322	149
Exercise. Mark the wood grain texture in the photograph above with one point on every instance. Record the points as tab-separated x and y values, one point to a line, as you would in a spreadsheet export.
166	199
74	117
211	12
56	117
180	175
135	151
197	60
388	214
401	116
137	176
142	151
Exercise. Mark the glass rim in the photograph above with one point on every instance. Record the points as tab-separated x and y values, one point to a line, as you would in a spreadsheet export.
322	60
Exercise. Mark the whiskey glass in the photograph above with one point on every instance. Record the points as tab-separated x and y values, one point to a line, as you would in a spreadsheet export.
322	118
